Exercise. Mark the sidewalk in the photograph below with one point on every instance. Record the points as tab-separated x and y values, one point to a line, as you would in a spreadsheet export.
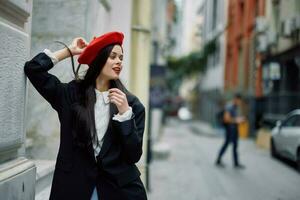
161	148
204	128
44	176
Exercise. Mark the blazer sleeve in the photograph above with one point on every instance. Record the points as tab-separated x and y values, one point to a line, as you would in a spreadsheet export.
48	85
131	133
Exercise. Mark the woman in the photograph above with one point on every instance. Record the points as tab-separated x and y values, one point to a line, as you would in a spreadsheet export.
102	124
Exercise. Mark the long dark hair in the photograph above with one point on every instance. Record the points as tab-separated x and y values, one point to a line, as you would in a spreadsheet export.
84	130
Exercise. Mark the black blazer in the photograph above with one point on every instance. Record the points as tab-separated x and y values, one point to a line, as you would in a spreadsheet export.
77	172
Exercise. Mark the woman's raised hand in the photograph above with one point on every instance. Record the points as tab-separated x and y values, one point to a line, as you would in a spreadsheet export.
118	98
78	45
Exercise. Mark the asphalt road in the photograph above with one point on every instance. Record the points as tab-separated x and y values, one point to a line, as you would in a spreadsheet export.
189	172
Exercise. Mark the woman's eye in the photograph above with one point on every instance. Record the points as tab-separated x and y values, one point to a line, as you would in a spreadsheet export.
114	56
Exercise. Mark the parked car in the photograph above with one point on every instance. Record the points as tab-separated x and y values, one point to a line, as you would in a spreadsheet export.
285	140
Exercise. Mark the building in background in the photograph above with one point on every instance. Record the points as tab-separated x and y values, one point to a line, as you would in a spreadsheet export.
189	21
165	28
211	84
262	60
242	62
159	51
279	46
163	43
190	41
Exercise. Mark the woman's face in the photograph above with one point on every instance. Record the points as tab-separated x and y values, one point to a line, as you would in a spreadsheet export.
113	65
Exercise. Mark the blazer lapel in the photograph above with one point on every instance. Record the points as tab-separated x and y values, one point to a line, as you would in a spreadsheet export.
107	140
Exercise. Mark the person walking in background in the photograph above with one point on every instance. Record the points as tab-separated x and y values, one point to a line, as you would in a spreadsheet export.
102	123
231	121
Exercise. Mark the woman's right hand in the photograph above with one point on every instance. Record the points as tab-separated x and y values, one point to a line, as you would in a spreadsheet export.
77	46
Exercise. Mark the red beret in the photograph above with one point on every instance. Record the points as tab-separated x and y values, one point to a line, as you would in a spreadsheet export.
93	48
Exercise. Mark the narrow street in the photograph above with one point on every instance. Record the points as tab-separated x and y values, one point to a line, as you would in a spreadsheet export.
189	172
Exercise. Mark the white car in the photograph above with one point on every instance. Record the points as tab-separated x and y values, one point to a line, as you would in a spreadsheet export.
285	140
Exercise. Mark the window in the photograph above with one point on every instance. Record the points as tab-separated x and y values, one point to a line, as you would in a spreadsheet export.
215	7
297	123
293	121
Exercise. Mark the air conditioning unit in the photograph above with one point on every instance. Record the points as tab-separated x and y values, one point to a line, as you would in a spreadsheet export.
262	43
260	24
287	28
274	71
297	22
271	38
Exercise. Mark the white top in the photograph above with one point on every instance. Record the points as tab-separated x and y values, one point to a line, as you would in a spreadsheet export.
101	111
102	117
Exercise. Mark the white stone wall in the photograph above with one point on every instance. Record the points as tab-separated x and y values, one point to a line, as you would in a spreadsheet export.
13	55
17	174
51	20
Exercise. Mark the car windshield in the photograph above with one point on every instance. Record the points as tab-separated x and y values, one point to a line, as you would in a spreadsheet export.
293	121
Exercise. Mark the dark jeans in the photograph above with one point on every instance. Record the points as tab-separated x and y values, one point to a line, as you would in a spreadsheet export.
231	135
